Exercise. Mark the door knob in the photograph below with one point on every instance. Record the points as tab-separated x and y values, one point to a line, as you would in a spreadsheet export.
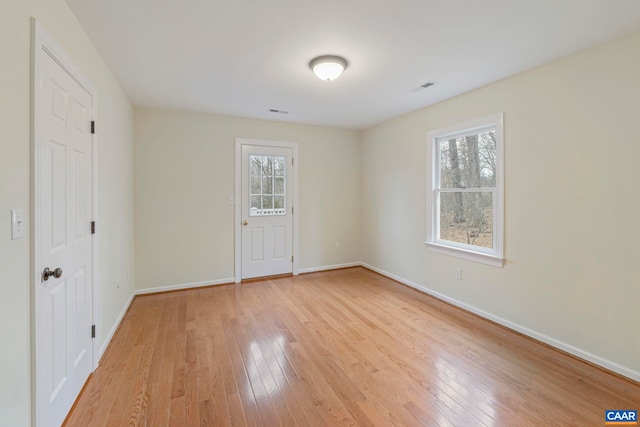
245	222
57	273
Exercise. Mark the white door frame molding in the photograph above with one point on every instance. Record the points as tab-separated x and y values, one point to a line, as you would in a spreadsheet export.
44	44
238	199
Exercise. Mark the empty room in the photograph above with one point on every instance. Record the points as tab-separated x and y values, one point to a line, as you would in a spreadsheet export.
292	213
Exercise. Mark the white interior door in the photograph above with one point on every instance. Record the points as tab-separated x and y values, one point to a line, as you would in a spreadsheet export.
63	294
267	214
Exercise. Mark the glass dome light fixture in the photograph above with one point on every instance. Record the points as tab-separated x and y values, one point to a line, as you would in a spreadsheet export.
328	67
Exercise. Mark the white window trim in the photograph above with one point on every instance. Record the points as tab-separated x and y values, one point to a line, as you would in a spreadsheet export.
490	256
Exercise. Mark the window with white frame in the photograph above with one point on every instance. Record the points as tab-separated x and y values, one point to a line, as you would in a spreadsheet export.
466	200
267	175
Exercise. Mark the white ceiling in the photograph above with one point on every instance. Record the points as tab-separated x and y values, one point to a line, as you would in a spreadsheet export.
244	57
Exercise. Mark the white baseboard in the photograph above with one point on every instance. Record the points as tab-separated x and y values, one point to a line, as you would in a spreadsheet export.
114	328
600	361
184	286
328	267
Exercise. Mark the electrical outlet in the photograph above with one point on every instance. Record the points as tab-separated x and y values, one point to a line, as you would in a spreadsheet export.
338	246
457	273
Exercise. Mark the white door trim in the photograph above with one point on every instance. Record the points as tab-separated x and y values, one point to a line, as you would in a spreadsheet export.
238	199
44	44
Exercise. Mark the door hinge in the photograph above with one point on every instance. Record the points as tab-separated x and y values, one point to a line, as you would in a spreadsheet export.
292	161
93	126
93	227
291	258
93	331
291	210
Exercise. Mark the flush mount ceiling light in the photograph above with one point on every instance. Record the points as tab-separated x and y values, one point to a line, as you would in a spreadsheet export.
328	67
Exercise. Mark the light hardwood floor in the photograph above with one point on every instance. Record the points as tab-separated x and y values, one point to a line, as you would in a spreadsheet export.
346	347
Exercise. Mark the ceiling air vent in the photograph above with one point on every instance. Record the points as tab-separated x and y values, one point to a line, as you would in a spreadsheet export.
423	86
273	110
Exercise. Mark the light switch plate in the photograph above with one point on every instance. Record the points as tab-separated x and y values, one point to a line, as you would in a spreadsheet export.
17	224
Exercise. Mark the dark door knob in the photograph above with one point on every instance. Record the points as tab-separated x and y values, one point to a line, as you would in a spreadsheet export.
57	273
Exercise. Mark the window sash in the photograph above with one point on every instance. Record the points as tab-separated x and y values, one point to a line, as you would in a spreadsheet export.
437	225
491	256
264	170
438	153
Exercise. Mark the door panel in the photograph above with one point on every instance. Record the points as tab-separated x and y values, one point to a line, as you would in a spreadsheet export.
79	195
58	199
279	242
58	334
78	296
64	305
257	244
267	217
58	103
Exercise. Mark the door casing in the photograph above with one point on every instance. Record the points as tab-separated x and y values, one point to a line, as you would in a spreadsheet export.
44	44
238	199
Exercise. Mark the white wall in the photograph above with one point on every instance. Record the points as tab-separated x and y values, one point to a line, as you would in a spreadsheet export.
115	202
184	176
572	149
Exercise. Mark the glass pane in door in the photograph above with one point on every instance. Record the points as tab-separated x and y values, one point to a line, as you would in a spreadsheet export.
267	177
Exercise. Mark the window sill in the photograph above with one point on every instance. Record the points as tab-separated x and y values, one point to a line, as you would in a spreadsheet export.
480	257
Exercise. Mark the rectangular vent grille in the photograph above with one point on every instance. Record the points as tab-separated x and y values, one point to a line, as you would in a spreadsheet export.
423	86
273	110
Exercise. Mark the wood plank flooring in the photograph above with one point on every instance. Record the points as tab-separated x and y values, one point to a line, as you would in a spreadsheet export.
339	348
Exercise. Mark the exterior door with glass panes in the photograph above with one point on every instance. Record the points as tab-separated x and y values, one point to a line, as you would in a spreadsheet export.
267	217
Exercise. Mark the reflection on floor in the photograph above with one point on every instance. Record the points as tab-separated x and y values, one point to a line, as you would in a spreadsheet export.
345	347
